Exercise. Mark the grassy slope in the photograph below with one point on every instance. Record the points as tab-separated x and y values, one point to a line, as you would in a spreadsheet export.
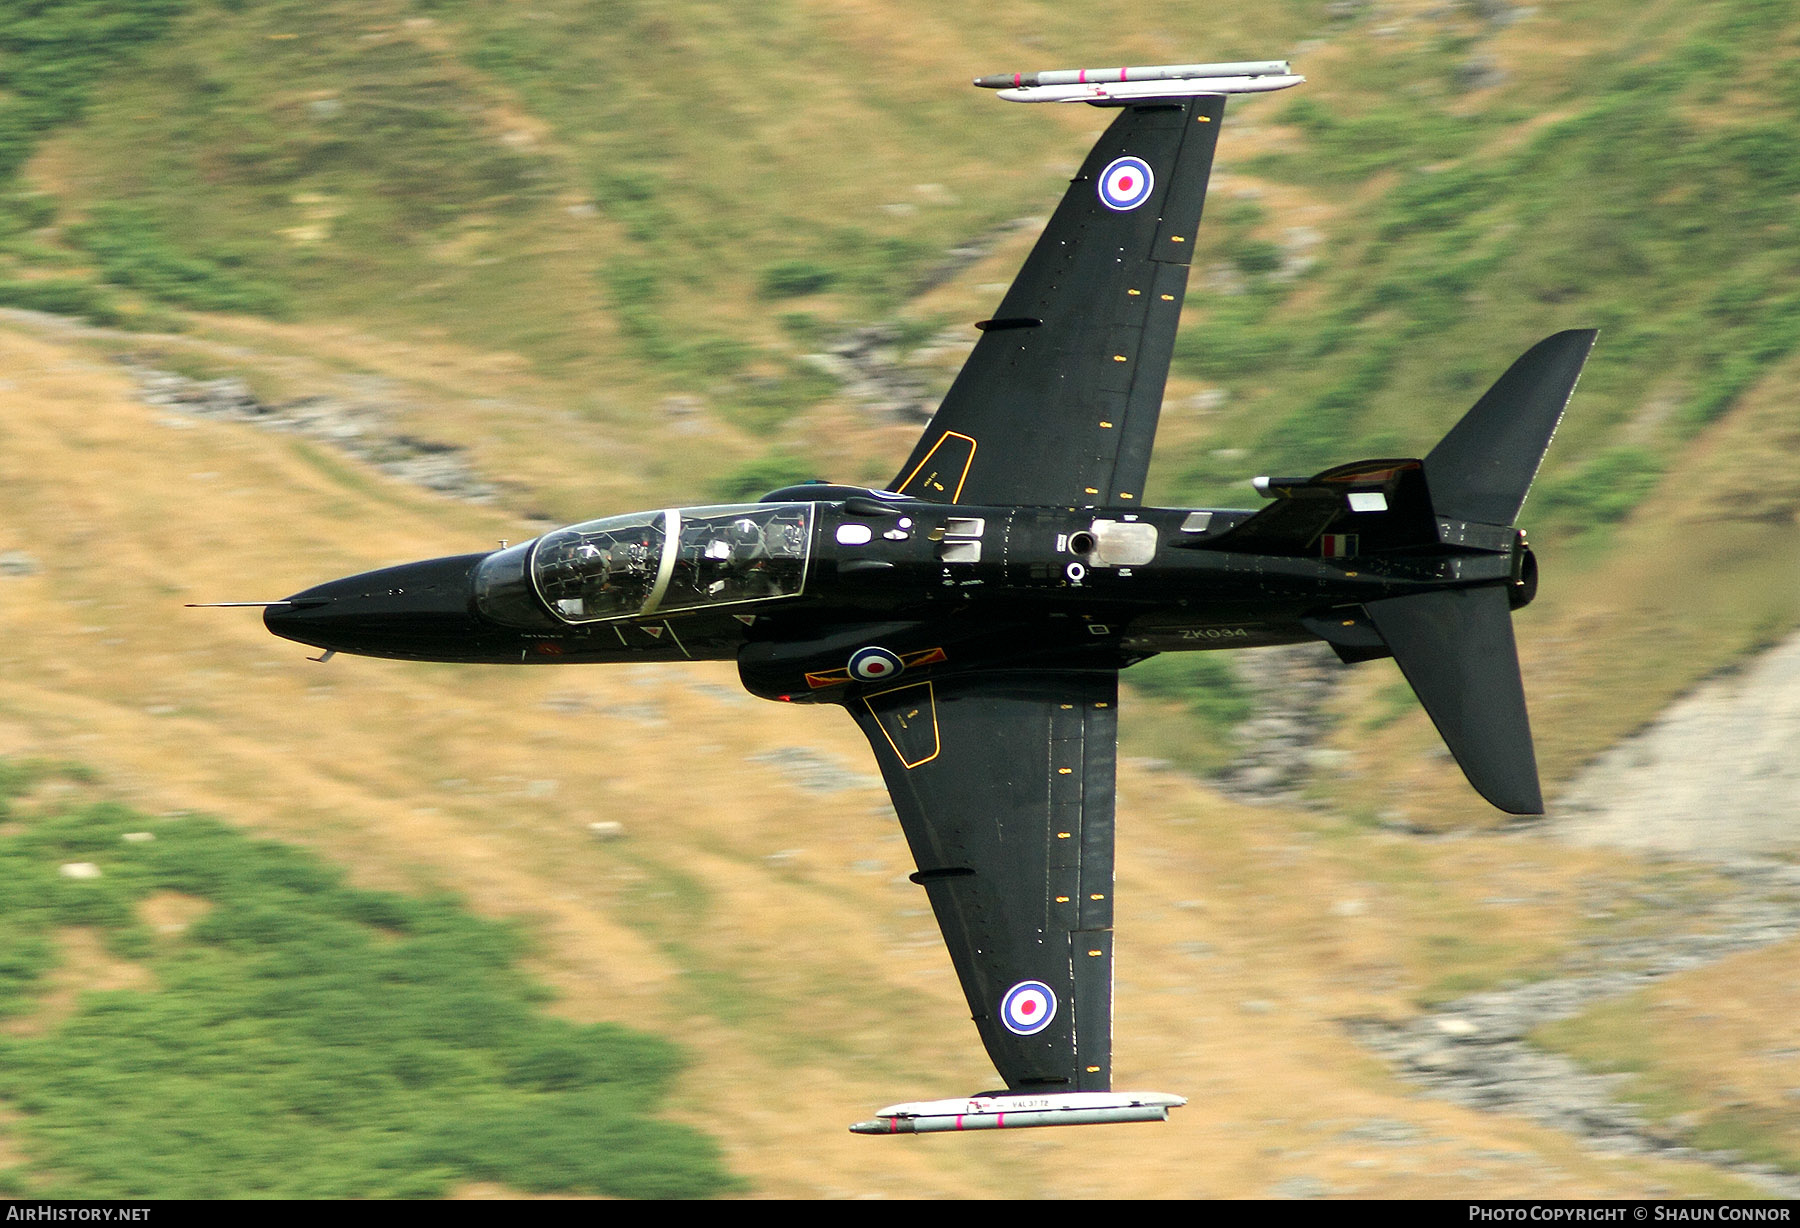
213	1016
528	227
767	929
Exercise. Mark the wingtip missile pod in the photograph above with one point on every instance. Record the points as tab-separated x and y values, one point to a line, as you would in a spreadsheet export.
1009	1112
1108	85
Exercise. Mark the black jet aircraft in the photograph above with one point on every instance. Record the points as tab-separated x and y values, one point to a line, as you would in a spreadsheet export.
973	616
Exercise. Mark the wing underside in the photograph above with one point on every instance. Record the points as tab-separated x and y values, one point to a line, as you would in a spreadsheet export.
1004	787
1058	403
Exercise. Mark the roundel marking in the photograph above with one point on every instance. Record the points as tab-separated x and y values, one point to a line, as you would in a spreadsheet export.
1028	1008
873	664
1125	184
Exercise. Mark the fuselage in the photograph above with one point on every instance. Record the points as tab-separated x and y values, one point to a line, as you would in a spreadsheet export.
796	590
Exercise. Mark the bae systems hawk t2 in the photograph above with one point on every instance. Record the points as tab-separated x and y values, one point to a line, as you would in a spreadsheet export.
972	617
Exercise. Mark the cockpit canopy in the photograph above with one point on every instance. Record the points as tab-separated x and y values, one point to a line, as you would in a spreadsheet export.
671	560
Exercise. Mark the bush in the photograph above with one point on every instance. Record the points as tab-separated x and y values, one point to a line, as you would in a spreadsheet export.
1603	488
63	296
131	250
1203	682
795	279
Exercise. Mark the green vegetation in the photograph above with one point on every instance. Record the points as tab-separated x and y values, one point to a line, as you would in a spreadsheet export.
131	251
299	1038
756	478
529	180
53	53
1642	206
1602	488
1207	687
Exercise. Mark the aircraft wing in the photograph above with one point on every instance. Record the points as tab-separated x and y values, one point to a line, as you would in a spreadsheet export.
1004	787
1057	405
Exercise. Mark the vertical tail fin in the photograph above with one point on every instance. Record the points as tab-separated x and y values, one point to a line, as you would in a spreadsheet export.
1481	470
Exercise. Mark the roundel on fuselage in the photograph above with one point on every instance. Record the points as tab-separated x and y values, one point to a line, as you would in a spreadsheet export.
873	664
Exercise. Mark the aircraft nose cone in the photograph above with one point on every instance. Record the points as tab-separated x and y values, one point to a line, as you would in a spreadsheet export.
306	617
289	619
400	611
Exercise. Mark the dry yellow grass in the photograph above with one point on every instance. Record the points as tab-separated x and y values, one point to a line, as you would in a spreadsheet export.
769	930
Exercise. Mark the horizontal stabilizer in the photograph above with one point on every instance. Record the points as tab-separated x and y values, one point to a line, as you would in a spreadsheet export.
1483	468
1456	648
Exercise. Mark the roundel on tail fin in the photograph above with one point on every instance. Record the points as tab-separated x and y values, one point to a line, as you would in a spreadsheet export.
1126	183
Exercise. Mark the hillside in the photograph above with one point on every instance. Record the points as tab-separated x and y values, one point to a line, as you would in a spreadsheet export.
596	248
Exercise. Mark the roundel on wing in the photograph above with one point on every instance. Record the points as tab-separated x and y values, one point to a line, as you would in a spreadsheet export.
1028	1008
1125	184
873	664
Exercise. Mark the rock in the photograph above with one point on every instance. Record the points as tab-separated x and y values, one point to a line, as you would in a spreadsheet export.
867	362
1714	777
362	429
1279	746
813	772
1300	1187
1478	72
965	254
1474	1051
18	563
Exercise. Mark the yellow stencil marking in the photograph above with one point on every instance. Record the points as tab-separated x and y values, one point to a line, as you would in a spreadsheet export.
932	480
905	721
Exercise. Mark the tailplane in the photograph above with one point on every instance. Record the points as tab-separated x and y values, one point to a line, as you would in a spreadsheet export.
1456	648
